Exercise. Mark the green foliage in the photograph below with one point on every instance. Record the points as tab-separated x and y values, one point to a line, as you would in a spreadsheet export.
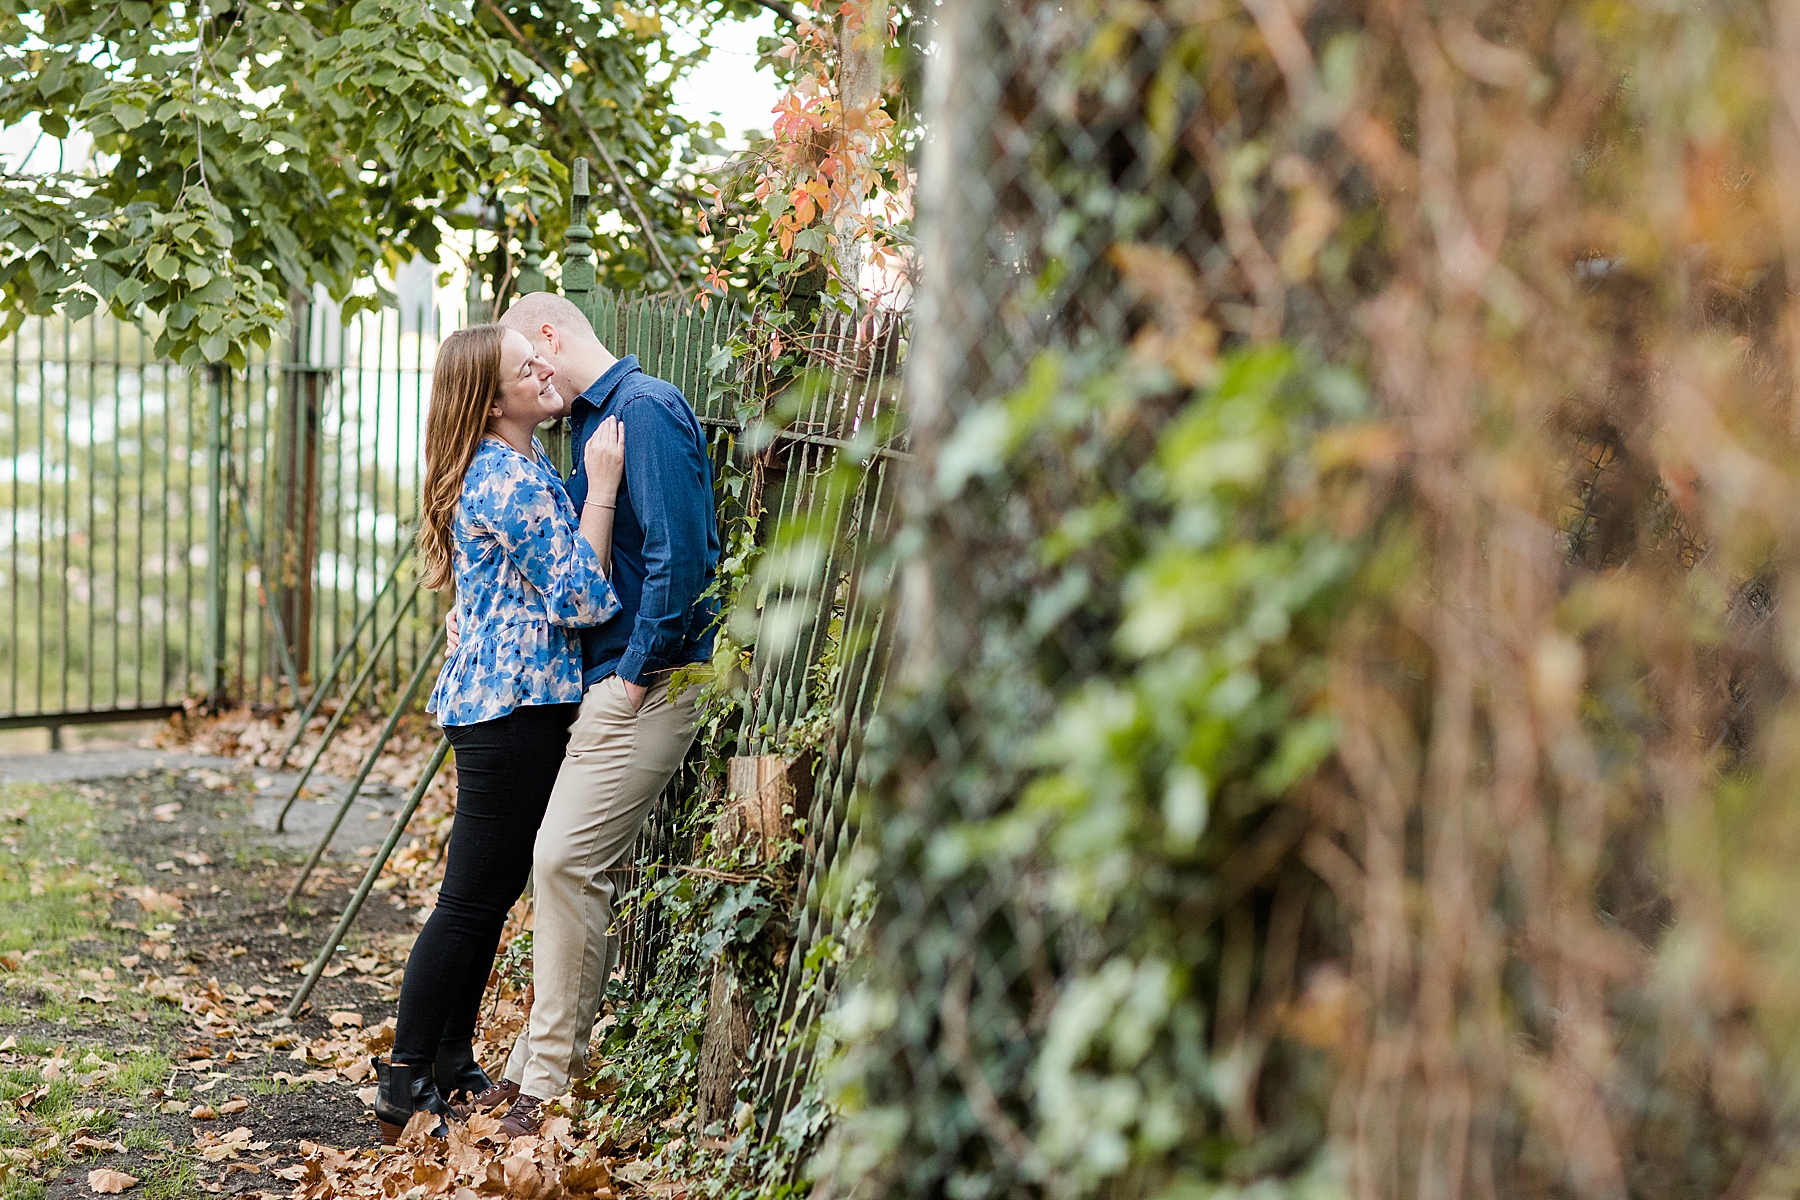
268	147
1147	698
777	226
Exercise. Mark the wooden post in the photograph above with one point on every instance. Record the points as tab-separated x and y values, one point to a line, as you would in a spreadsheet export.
297	491
216	644
724	1044
763	793
472	297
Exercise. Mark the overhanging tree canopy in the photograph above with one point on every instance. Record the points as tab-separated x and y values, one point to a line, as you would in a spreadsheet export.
263	146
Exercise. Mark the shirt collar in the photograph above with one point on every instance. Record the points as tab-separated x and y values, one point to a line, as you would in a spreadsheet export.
601	390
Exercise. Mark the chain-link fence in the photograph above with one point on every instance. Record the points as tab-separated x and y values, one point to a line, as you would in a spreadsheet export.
1091	917
1325	683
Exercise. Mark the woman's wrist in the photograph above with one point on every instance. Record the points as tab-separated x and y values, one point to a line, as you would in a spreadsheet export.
597	504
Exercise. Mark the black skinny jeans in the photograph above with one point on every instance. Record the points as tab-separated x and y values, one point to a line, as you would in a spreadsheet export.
505	769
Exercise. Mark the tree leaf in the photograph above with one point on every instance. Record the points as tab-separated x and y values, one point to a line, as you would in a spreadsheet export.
105	1181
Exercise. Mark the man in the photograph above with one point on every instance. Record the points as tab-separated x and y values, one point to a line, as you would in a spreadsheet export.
630	735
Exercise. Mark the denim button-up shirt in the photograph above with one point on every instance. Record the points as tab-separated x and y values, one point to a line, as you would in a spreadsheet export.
665	546
526	580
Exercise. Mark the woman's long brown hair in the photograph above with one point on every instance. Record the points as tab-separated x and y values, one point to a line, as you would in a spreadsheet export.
464	382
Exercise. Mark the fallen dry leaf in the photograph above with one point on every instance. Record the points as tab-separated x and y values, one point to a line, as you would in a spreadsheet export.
435	1177
153	901
418	1128
215	1147
204	1112
107	1182
340	1020
236	1104
482	1126
588	1177
97	1145
524	1179
379	1038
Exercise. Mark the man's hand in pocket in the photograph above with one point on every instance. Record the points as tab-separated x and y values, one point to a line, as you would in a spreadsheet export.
635	693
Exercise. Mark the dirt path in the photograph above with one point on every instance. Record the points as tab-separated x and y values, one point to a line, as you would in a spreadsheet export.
156	1034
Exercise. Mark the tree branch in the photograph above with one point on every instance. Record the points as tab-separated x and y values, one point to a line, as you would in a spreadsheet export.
600	146
784	11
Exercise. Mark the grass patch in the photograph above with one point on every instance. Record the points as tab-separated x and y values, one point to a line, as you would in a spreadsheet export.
143	1071
15	1082
100	1120
172	1177
56	877
144	1139
21	1187
58	1101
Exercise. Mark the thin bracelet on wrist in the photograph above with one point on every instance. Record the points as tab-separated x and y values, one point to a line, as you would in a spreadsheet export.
597	504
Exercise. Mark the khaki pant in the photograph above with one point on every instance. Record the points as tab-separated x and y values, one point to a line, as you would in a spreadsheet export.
616	765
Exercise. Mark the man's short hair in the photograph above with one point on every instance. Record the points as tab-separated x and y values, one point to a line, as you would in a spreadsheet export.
532	311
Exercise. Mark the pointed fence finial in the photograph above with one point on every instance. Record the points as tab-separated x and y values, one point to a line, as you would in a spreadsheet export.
578	256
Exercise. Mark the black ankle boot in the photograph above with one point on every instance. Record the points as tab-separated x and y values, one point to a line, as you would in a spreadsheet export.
406	1088
458	1072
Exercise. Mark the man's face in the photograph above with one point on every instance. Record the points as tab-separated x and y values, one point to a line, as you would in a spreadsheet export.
546	342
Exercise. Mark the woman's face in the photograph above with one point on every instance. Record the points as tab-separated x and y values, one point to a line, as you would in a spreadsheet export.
526	393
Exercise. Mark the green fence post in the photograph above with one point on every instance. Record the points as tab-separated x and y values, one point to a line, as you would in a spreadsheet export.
216	645
531	269
472	297
578	256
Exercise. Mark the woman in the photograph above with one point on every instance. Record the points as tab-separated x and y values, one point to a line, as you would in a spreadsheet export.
496	522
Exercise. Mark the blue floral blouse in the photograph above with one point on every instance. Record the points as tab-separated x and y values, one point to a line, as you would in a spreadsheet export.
526	580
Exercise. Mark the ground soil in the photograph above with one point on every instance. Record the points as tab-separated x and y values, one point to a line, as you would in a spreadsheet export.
234	929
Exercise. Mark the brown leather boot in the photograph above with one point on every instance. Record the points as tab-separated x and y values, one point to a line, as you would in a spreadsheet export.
486	1101
523	1118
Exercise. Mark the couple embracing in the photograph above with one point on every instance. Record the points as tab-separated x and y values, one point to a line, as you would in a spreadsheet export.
574	602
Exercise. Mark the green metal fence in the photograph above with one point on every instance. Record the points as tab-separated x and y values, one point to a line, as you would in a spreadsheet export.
161	523
172	535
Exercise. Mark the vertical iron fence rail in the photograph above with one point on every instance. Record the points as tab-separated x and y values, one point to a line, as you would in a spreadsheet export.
826	621
152	506
130	582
